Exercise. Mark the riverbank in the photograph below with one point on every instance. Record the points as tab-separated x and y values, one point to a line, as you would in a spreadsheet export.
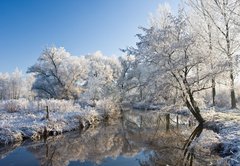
18	126
145	137
33	120
227	126
220	135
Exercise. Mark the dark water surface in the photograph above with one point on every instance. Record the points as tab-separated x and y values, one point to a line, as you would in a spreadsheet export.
137	139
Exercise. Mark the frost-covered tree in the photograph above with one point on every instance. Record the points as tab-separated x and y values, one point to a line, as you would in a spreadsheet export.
4	79
137	82
223	17
73	73
207	39
102	76
58	74
171	52
126	83
13	85
27	91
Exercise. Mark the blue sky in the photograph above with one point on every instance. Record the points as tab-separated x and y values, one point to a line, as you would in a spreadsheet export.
81	26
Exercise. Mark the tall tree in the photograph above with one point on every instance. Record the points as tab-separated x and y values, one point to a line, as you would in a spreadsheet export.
58	74
170	48
202	25
224	16
102	76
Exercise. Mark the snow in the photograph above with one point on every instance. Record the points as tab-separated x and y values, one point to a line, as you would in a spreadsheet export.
228	125
220	134
28	120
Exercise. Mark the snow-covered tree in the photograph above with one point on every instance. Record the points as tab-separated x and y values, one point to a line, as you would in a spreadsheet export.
102	76
27	91
13	85
222	16
4	79
207	38
137	82
171	51
58	74
126	83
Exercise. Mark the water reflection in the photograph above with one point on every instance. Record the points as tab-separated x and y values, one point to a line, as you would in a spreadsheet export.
140	138
189	153
175	151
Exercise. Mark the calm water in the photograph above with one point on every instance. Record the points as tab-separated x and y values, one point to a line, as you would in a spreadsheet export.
138	139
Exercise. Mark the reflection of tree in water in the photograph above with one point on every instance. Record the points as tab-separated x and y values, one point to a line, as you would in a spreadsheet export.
189	153
94	145
160	137
178	152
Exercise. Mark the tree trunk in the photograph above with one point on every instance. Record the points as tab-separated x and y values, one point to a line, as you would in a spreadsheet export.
195	111
213	92
167	122
193	108
233	98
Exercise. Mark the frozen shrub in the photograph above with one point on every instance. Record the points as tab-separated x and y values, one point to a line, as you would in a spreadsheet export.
23	103
53	105
58	105
15	105
109	108
92	116
12	106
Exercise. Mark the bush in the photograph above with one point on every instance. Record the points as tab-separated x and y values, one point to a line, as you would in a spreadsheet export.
110	109
12	106
24	104
60	105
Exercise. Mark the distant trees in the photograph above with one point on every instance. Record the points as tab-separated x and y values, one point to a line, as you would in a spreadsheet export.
207	38
15	85
4	94
126	83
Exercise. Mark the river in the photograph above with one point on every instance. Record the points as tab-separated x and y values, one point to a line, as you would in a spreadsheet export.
139	138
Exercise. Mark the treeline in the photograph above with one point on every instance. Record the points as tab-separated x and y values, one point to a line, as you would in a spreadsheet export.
59	75
16	85
62	76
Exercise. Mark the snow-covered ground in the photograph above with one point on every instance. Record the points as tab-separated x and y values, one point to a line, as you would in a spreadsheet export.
227	125
24	119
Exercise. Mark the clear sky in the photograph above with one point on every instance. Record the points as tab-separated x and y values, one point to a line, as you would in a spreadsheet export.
81	26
